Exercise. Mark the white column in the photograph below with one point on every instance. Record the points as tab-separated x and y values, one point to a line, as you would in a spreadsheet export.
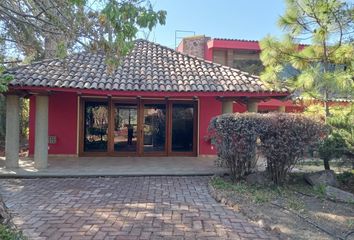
41	133
227	107
252	106
12	139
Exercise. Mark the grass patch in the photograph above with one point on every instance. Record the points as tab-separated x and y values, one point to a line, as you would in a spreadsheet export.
320	190
296	204
350	223
261	194
256	194
9	234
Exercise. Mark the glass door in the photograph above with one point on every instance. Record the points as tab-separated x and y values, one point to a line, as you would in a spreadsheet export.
183	126
136	127
95	126
125	135
154	128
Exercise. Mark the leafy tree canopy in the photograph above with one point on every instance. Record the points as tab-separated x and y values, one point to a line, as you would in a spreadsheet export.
325	67
38	29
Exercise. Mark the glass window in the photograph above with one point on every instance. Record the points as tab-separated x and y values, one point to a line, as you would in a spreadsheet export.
125	127
182	127
96	126
154	127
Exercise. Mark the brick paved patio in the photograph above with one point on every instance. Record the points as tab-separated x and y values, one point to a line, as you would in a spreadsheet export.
122	208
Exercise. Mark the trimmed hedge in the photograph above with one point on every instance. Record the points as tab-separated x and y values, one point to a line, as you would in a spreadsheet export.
283	140
235	137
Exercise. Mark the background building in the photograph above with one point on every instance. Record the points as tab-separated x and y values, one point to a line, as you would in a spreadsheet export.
239	54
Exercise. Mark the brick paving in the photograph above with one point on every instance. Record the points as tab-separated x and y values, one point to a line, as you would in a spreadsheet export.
122	208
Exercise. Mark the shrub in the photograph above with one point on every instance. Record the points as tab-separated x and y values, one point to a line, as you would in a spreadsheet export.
235	138
342	122
331	147
341	141
284	139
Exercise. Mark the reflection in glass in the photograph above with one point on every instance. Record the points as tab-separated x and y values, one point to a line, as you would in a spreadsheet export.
125	127
154	127
182	127
96	127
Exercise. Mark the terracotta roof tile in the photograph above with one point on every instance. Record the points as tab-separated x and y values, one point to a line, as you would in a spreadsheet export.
148	67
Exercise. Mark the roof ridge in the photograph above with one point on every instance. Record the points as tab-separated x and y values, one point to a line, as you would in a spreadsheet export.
201	59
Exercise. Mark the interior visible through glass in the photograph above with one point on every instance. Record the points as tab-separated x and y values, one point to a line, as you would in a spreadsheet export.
154	127
96	126
182	127
125	127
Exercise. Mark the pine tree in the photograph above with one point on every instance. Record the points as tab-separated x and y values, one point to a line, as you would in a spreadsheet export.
324	68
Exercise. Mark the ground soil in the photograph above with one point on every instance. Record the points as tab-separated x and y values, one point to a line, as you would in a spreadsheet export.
289	212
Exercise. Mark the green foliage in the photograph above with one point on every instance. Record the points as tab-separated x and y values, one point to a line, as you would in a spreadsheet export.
346	177
340	141
332	146
24	118
122	21
61	51
343	125
4	81
255	194
4	78
46	29
325	67
320	190
219	183
8	234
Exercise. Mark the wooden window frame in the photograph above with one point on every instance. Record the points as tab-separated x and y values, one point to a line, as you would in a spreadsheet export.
192	153
140	115
111	131
81	116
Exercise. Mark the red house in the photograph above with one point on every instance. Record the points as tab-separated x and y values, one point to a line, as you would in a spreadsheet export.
158	102
239	54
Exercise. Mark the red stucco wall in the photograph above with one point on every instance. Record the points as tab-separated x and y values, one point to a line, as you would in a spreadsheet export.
62	123
208	107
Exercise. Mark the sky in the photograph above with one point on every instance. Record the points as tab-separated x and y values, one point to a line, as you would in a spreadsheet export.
241	19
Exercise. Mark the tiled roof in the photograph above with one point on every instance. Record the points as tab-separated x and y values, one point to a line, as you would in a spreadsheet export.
148	67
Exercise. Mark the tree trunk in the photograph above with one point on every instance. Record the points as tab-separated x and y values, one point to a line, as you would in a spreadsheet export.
326	164
326	105
327	114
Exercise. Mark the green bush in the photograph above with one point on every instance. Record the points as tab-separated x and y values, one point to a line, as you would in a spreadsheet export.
341	140
235	138
331	147
285	138
342	122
